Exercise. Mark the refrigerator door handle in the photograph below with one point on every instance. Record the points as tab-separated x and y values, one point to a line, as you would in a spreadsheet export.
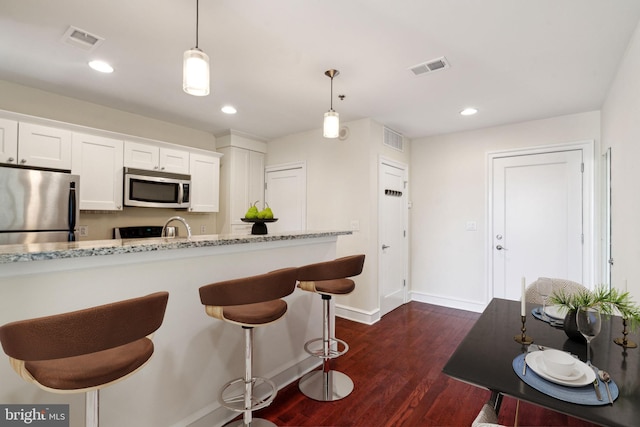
72	211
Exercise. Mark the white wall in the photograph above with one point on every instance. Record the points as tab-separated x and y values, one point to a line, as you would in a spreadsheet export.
448	173
621	132
26	100
34	102
342	179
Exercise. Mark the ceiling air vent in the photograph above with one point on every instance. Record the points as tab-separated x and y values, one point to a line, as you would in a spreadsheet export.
430	66
81	39
392	139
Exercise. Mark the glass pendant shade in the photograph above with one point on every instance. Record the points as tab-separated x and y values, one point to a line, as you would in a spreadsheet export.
195	72
331	128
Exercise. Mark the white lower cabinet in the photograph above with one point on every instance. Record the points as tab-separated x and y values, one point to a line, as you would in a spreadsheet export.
99	162
205	182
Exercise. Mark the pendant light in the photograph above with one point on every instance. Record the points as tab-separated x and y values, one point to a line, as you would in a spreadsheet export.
331	127
195	68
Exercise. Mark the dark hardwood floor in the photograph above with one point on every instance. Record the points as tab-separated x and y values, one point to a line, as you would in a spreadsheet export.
396	366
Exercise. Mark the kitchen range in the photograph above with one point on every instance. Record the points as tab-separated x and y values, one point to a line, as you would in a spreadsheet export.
141	232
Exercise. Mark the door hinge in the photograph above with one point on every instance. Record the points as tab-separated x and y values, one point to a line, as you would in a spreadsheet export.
265	185
404	283
404	184
582	238
404	233
582	167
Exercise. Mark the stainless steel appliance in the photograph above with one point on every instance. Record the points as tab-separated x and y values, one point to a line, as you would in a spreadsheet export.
142	231
37	206
154	189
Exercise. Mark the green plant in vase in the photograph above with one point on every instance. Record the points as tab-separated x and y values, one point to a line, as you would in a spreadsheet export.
607	301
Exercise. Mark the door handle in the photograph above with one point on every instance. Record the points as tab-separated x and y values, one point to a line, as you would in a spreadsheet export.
385	247
501	248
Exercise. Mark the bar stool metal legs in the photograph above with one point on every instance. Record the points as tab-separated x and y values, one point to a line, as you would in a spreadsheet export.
248	394
326	385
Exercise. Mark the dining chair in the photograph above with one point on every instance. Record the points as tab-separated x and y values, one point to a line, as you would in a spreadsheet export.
488	415
86	350
569	287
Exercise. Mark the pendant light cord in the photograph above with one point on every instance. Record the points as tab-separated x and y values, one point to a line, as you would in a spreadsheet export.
331	102
197	20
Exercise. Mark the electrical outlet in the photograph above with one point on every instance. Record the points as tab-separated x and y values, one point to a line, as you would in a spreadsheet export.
203	229
355	225
84	230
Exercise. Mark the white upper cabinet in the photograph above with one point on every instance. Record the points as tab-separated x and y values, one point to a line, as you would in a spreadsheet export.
8	141
151	157
205	182
176	161
99	162
242	184
28	144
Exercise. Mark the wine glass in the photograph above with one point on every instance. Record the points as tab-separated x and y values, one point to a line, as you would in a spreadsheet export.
589	322
544	287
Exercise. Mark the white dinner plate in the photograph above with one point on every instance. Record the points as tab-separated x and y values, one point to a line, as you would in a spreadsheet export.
556	312
584	375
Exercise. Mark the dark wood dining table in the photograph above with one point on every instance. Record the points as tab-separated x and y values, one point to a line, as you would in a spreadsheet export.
484	358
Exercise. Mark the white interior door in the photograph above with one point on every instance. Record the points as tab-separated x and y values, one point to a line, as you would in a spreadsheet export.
393	250
286	194
537	219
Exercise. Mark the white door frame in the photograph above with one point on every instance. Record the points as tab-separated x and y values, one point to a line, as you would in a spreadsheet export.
382	160
588	206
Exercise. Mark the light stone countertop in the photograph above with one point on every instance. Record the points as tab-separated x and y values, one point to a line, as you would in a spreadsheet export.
91	248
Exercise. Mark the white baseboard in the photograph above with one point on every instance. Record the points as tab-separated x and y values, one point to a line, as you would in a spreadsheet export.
357	315
460	304
371	317
215	415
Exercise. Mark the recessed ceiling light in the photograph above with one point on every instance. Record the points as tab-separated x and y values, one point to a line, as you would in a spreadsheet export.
469	111
228	109
101	66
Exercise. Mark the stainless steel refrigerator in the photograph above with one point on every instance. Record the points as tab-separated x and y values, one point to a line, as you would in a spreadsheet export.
37	206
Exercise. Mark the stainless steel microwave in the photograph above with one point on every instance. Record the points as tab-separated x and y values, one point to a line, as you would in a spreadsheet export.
154	189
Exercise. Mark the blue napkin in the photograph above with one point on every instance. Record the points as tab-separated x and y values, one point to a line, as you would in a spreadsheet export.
585	395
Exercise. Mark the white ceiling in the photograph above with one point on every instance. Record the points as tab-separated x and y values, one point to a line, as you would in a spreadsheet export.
514	60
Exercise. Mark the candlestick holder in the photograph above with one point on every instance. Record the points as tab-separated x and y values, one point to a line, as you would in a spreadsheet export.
523	338
624	342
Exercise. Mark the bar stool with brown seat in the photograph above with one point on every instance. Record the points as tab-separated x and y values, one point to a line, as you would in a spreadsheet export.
87	350
327	279
249	302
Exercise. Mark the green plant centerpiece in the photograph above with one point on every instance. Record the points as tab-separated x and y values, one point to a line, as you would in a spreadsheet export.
607	301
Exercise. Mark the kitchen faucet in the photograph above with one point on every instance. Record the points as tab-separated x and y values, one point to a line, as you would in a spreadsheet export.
175	218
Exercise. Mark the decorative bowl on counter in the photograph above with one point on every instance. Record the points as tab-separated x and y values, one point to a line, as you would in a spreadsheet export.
259	226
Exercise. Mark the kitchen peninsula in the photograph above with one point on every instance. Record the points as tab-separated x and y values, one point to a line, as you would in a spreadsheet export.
194	356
